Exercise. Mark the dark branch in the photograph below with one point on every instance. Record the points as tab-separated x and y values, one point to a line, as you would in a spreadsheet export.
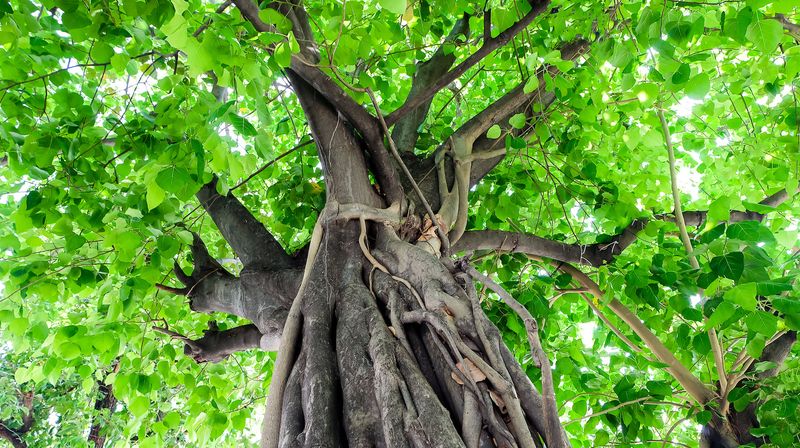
528	244
12	437
596	254
340	153
248	237
216	344
406	130
260	296
105	402
777	352
517	101
362	120
789	26
15	436
487	48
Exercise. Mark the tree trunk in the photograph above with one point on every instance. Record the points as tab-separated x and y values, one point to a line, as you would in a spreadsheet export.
379	355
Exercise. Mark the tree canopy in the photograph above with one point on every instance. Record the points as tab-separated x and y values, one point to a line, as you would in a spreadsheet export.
629	178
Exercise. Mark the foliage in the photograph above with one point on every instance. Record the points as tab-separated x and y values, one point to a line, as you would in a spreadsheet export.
109	127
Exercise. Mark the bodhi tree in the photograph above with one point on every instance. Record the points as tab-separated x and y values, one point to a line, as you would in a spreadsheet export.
399	223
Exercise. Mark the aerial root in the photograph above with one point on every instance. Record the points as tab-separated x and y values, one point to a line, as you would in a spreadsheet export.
487	400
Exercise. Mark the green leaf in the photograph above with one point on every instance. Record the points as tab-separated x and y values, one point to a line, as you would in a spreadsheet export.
155	195
765	35
18	326
756	345
119	62
242	126
646	93
139	406
283	55
762	322
743	295
102	53
68	350
730	265
176	180
493	132
682	74
773	287
787	305
393	6
75	20
750	231
720	209
517	121
274	17
531	84
723	312
698	87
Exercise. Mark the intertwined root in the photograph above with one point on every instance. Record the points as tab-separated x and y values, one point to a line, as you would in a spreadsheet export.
396	351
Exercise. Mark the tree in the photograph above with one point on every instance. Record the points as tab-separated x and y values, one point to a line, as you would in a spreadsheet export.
431	223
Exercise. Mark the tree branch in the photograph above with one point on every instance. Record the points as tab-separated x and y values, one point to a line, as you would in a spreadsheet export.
216	344
596	254
261	296
15	436
528	244
365	123
253	243
340	152
12	437
777	352
486	49
693	386
554	432
789	26
516	100
406	129
716	348
105	401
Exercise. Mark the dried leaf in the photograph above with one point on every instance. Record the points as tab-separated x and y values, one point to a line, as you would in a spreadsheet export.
472	370
428	230
498	401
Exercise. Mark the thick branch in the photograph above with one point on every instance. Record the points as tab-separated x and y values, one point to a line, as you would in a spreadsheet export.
788	25
248	237
517	101
554	433
105	402
528	244
685	378
777	352
340	152
216	344
406	130
340	101
260	296
486	49
12	437
596	254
